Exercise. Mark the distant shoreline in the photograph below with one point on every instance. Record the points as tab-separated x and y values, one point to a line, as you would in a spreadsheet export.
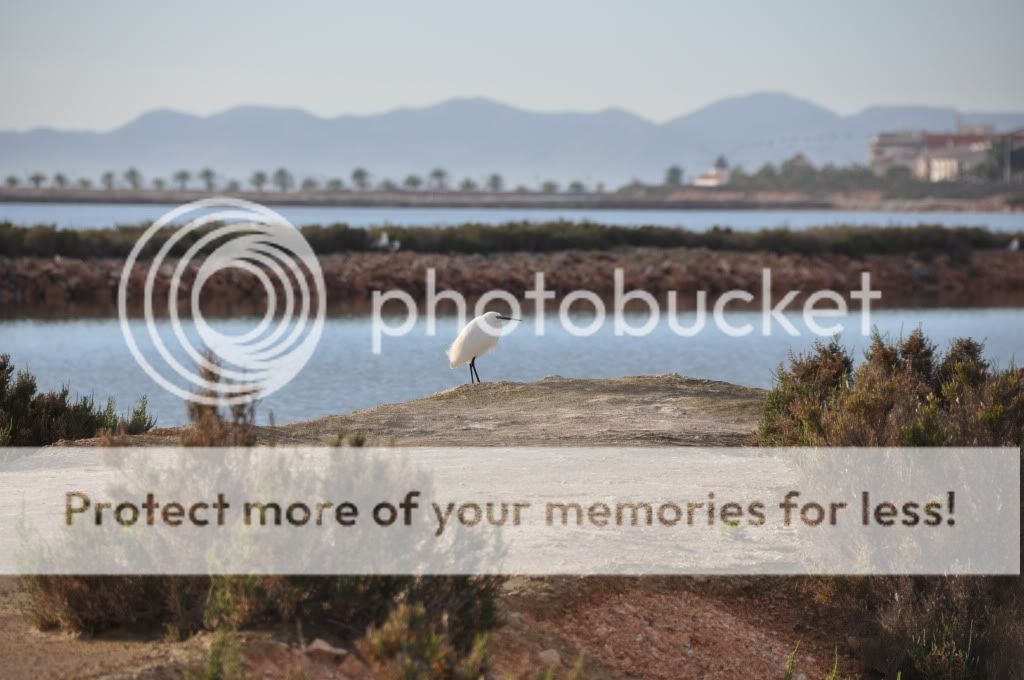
685	198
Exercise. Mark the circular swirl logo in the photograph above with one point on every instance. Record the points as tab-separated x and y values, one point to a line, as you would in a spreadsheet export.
221	234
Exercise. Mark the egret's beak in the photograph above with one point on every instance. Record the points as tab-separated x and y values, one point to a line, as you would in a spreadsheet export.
509	318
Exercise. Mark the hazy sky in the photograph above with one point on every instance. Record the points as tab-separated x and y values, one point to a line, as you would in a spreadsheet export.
98	64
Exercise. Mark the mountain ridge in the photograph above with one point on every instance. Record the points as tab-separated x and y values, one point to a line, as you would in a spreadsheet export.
474	136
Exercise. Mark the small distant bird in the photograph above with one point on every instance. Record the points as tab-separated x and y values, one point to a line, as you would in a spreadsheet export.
479	337
384	242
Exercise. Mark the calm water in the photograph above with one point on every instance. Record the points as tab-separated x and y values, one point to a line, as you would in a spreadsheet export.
82	215
344	374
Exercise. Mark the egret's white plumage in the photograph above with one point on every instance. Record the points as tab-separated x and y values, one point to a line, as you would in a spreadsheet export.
479	337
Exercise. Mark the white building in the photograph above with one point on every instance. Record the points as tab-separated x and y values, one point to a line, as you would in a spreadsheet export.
712	178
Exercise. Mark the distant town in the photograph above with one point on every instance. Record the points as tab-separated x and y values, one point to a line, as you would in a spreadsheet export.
973	152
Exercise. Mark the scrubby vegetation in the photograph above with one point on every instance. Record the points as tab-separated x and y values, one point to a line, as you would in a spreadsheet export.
908	393
417	627
31	418
799	175
47	241
904	394
414	627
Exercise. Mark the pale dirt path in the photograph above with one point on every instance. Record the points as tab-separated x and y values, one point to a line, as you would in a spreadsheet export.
623	627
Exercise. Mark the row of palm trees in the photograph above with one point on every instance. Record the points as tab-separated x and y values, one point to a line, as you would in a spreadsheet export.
283	181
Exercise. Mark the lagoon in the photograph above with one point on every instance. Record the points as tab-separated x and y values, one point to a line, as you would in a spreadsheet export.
343	375
105	215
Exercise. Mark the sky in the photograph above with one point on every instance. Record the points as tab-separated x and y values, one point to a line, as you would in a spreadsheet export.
96	65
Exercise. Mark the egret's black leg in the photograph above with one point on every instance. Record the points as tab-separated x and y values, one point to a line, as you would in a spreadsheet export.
471	381
472	366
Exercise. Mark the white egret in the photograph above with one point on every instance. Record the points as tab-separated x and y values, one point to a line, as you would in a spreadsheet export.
479	337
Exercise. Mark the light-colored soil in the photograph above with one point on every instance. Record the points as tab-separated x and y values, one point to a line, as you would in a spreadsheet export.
636	411
619	627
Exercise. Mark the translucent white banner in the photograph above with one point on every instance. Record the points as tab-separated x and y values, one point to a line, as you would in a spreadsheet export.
510	510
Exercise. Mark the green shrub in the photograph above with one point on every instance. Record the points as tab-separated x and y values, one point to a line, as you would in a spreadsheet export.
854	241
224	660
903	394
908	394
30	418
412	646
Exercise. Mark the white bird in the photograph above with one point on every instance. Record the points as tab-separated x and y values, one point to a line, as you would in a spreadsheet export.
384	242
479	337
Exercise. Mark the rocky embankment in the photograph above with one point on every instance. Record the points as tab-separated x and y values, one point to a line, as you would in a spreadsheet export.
981	277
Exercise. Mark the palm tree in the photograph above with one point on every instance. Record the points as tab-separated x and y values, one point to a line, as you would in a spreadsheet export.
439	179
108	180
549	187
133	177
335	184
387	184
468	186
674	176
412	182
495	183
182	177
37	179
233	187
60	180
361	179
159	184
283	180
577	187
209	178
310	184
85	183
12	181
258	179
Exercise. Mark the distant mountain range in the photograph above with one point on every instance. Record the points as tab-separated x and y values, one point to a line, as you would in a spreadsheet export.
474	137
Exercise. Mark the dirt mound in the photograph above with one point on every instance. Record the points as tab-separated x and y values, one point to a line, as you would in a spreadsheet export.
637	411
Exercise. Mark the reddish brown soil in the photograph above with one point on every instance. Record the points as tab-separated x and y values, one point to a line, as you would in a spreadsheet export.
62	285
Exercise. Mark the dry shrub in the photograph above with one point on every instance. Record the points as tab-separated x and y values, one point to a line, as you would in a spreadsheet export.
92	604
353	602
907	393
459	609
904	394
208	427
